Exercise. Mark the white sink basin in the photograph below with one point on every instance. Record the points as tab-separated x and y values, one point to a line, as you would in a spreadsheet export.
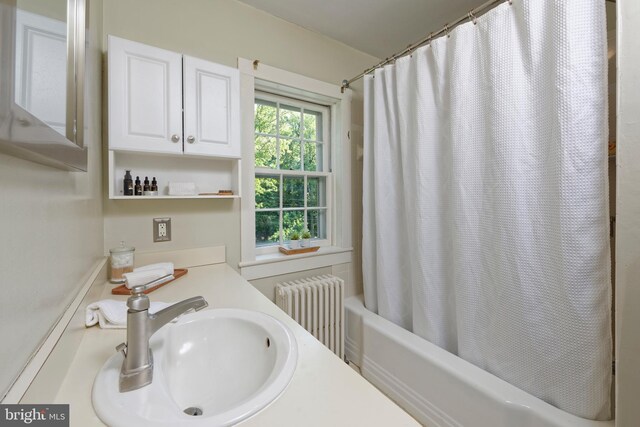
226	363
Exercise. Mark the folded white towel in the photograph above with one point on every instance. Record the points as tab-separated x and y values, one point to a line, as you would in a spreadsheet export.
182	189
167	267
138	278
112	314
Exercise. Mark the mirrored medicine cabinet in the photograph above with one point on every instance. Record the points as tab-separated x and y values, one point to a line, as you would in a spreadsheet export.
42	76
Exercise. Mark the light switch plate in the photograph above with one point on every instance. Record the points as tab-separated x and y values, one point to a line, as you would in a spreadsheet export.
161	229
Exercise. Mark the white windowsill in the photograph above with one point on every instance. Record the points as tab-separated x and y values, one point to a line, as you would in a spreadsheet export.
275	264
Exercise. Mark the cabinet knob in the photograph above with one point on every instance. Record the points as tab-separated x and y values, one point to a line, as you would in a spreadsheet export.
191	139
175	138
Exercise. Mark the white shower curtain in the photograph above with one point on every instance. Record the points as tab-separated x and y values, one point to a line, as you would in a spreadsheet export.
486	202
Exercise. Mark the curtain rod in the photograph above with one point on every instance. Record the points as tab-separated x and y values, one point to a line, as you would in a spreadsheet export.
472	15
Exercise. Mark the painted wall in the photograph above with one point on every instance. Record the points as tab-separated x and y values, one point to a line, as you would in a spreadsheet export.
628	215
345	271
56	9
221	31
52	235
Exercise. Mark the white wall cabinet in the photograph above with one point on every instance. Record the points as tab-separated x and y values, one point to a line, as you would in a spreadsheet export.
145	98
164	103
211	108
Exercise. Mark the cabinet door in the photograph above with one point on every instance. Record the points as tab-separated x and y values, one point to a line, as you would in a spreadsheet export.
211	109
145	98
41	68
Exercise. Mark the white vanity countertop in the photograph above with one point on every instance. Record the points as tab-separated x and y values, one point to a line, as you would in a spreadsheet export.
324	391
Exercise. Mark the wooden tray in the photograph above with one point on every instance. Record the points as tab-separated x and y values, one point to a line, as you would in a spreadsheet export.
288	251
219	193
123	290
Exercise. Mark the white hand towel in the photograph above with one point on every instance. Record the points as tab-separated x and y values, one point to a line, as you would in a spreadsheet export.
182	189
112	314
138	278
167	267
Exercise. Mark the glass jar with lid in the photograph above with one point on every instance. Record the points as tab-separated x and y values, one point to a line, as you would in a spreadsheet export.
122	259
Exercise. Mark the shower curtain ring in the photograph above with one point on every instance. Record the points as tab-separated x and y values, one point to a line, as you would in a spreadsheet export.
472	17
446	30
510	2
430	38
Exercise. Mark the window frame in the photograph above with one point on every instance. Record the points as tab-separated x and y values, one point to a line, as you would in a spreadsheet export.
326	173
255	75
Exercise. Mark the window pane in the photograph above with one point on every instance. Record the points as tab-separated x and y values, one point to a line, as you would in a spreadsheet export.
289	154
292	222
316	192
293	192
267	228
289	138
317	223
267	192
266	155
312	125
265	118
290	120
312	156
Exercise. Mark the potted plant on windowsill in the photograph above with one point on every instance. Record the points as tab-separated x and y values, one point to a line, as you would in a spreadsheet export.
306	239
294	240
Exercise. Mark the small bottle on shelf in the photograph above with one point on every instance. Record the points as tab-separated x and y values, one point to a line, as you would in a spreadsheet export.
128	184
154	187
137	189
146	186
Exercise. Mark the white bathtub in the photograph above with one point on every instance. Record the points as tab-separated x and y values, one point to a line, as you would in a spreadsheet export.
437	387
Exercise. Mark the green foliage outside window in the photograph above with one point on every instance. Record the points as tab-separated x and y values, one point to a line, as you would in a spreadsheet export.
287	138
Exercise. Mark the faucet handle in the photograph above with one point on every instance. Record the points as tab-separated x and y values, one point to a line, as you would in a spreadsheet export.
138	301
139	289
122	347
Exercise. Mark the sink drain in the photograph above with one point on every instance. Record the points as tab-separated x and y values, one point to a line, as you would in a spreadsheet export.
193	411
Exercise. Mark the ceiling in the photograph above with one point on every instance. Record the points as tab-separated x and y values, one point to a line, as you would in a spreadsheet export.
377	27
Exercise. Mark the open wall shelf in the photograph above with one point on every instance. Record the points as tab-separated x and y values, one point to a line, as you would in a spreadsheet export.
209	174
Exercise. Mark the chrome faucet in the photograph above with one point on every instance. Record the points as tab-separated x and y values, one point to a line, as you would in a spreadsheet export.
137	367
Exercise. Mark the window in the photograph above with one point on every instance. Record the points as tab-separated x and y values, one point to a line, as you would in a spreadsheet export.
292	174
283	187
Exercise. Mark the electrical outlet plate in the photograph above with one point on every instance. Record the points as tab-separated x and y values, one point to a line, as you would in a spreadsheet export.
161	229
